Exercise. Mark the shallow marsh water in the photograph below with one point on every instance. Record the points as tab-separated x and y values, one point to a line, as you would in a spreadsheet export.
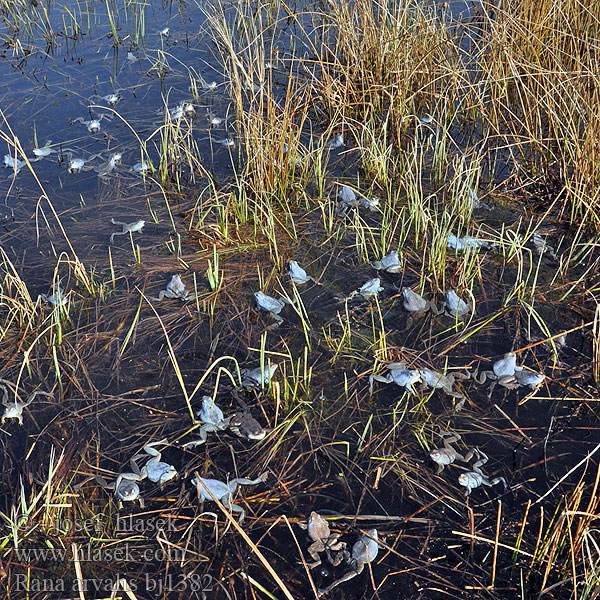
335	448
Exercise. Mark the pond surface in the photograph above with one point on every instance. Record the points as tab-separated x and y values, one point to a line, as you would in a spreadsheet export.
122	365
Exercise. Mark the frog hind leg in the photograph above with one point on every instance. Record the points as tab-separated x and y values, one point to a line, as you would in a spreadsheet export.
373	378
482	458
495	481
483	376
469	455
243	481
201	440
461	399
349	575
462	375
231	507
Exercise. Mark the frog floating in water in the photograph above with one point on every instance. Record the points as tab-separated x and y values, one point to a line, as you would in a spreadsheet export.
368	290
175	289
503	372
93	125
155	470
447	455
224	491
214	121
323	541
106	168
112	99
57	298
271	305
142	167
455	306
398	374
211	418
542	247
347	198
43	151
227	142
185	109
125	487
244	425
436	380
369	203
298	274
415	304
528	378
76	165
10	162
462	243
475	478
127	227
509	375
13	409
390	263
364	552
336	142
258	377
371	288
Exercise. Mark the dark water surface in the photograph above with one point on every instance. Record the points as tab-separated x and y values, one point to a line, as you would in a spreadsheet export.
124	391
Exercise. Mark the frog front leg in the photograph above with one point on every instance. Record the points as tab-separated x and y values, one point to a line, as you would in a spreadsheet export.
458	396
409	387
34	394
460	376
469	455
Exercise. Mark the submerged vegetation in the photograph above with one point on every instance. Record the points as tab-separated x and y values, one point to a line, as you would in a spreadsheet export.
227	226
